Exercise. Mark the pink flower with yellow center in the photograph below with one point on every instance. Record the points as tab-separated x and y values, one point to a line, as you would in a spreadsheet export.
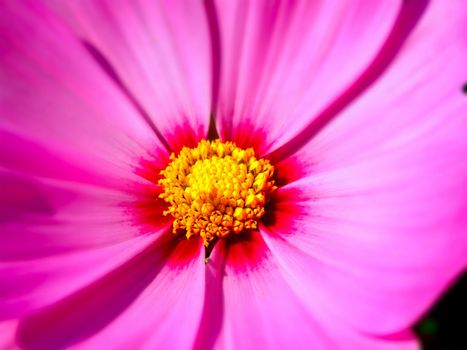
229	174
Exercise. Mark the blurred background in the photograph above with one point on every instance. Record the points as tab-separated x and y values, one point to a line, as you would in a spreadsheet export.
444	327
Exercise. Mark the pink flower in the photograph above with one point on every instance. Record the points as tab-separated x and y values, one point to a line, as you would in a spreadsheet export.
357	105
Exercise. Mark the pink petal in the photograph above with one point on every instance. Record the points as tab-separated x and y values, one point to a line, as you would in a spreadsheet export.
30	285
54	96
283	62
260	309
154	301
29	157
381	212
42	217
7	335
160	50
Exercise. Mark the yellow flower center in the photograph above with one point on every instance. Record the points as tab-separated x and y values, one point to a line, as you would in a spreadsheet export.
216	189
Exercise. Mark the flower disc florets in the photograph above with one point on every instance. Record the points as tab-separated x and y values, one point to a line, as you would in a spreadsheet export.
216	189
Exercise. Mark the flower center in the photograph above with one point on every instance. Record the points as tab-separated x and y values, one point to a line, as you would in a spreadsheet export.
216	189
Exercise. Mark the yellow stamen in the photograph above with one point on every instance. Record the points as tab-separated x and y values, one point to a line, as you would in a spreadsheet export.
216	189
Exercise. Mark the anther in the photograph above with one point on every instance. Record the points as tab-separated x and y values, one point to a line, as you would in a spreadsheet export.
216	189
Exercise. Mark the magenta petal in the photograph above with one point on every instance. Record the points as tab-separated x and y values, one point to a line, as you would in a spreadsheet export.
410	106
283	62
29	157
160	50
260	308
153	301
213	313
30	285
53	95
43	217
382	209
7	335
390	233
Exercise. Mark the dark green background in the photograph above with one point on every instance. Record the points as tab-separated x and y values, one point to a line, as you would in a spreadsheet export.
445	325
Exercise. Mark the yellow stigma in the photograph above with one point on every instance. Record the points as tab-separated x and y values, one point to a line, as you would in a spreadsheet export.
216	189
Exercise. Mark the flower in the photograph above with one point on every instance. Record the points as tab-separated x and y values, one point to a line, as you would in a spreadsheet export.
353	111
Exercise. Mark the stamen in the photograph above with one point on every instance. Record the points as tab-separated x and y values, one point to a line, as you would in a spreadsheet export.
216	189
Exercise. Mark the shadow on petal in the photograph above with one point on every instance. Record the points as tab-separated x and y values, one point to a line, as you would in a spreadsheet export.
89	310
